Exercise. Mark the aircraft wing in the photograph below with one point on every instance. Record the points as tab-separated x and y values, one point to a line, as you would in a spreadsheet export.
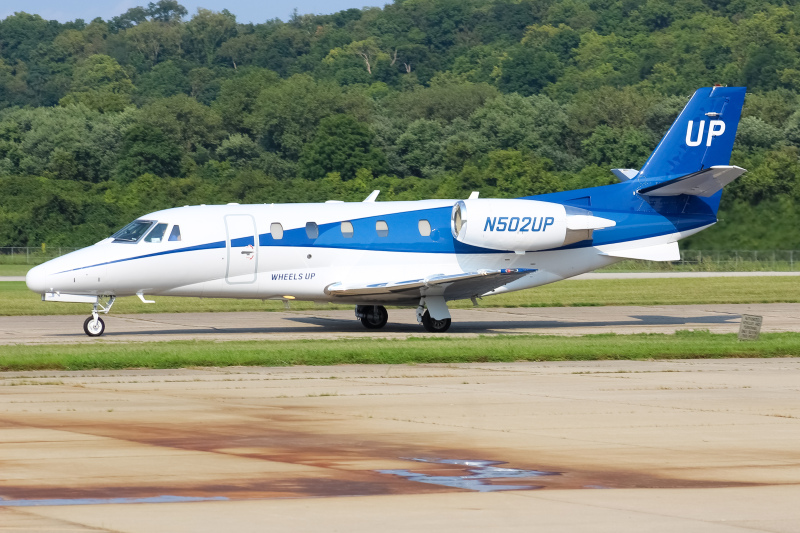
452	286
704	183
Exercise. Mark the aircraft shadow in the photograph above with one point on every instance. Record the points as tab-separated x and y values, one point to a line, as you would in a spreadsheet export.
320	325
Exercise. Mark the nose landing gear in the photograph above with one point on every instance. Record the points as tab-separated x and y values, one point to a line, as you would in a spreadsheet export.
94	325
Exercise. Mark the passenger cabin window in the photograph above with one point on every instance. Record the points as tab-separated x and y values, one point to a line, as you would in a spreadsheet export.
175	234
382	228
424	228
276	230
157	234
347	229
133	231
312	230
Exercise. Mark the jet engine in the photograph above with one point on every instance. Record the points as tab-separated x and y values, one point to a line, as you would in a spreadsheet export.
522	225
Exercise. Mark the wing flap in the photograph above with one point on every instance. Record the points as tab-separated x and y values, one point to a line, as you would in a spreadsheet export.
704	183
454	286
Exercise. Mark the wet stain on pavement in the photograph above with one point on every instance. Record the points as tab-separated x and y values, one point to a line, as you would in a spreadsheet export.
483	476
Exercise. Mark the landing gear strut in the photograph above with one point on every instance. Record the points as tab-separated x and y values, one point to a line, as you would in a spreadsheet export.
434	326
94	325
438	305
372	316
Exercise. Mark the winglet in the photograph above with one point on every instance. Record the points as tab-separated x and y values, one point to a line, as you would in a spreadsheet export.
372	196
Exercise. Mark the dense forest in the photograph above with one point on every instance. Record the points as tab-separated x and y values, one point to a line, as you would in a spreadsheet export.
103	121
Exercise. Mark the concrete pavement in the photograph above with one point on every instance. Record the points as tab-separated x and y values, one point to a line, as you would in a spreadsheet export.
331	324
598	446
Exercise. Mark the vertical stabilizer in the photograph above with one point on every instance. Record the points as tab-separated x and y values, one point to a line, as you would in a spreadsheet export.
701	137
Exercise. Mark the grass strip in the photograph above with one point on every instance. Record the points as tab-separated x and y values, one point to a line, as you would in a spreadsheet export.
16	299
415	350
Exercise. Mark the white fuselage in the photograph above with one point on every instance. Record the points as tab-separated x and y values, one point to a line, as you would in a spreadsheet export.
237	251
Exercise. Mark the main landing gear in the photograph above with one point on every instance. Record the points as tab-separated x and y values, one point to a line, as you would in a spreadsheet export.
436	318
434	326
372	316
94	325
432	314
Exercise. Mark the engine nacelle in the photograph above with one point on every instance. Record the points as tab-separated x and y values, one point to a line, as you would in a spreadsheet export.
521	225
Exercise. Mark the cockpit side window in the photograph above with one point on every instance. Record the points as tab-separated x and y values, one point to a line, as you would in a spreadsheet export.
157	234
175	234
133	231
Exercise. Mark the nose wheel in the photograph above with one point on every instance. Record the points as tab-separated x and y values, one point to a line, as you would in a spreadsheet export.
94	326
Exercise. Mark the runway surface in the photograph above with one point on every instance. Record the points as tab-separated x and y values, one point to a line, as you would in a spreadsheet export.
330	324
610	446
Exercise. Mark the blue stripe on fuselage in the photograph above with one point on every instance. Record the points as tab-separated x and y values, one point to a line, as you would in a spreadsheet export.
208	246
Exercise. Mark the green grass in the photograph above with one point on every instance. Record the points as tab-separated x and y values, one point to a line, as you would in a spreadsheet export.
16	299
178	354
14	270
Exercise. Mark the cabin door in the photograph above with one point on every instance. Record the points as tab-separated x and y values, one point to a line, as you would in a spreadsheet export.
242	249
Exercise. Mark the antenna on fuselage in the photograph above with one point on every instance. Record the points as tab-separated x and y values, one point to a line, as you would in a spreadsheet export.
372	196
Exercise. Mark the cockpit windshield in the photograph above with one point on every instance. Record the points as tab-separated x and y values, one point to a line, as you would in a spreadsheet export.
133	231
157	235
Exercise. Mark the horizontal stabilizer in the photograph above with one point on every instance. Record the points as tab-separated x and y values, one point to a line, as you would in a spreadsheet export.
704	183
658	252
624	174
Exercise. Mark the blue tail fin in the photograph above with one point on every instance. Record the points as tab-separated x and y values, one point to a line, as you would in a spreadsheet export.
701	137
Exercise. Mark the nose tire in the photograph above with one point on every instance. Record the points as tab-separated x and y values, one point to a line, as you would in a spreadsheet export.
94	328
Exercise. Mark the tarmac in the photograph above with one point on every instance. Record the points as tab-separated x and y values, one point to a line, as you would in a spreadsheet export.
610	446
332	324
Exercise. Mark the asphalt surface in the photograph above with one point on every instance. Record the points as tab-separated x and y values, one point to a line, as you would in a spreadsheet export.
333	324
610	446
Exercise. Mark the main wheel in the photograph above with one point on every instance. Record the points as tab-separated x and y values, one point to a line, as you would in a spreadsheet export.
375	316
433	325
94	328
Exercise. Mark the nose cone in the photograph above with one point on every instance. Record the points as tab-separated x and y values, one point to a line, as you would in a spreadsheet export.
36	279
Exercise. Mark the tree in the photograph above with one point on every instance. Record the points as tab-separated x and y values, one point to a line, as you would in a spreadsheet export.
614	148
22	34
155	39
190	124
145	149
207	31
420	148
100	83
341	144
237	96
286	115
528	71
163	80
238	149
